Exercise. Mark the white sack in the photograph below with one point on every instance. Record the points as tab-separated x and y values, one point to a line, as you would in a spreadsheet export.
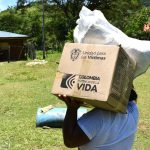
93	28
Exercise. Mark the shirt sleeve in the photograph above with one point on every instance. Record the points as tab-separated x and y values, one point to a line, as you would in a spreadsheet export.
133	109
91	123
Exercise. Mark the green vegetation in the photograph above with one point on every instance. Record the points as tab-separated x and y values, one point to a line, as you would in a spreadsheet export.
134	24
61	16
25	88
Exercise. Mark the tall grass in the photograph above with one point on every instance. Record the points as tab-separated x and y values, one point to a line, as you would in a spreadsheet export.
25	88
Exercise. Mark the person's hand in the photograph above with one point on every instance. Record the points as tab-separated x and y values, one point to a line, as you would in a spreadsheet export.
69	102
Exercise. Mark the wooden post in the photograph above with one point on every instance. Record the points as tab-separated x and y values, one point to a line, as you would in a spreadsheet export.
9	54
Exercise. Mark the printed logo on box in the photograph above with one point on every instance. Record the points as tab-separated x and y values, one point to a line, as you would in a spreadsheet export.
84	83
94	55
75	54
68	81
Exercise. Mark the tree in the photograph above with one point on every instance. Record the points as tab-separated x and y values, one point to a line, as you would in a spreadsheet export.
119	11
115	11
135	23
70	9
21	3
10	21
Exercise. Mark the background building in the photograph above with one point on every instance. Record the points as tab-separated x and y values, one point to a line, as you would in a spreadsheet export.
12	46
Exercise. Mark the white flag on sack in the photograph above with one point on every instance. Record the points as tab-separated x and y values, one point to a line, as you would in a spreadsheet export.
93	28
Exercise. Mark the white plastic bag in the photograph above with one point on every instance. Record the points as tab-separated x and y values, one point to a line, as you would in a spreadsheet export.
93	28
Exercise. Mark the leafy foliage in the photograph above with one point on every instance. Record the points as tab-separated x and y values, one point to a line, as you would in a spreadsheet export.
135	23
8	21
119	11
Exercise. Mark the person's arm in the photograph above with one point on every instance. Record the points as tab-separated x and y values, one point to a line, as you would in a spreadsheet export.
72	133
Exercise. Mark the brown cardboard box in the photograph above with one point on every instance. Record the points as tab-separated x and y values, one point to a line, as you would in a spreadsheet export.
99	75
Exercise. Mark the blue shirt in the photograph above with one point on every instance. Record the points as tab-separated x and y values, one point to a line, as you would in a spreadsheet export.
109	130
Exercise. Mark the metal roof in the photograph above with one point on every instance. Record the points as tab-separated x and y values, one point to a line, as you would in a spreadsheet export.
4	34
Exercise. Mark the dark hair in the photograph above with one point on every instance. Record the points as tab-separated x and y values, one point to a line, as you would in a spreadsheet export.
133	95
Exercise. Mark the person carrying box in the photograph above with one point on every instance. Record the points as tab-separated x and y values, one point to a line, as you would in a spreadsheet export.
100	129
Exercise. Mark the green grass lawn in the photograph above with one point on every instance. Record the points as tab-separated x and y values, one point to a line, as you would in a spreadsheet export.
25	88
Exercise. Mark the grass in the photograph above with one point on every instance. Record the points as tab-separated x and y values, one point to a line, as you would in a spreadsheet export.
143	89
25	88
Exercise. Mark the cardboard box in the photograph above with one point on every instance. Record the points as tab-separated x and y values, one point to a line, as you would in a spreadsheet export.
99	75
